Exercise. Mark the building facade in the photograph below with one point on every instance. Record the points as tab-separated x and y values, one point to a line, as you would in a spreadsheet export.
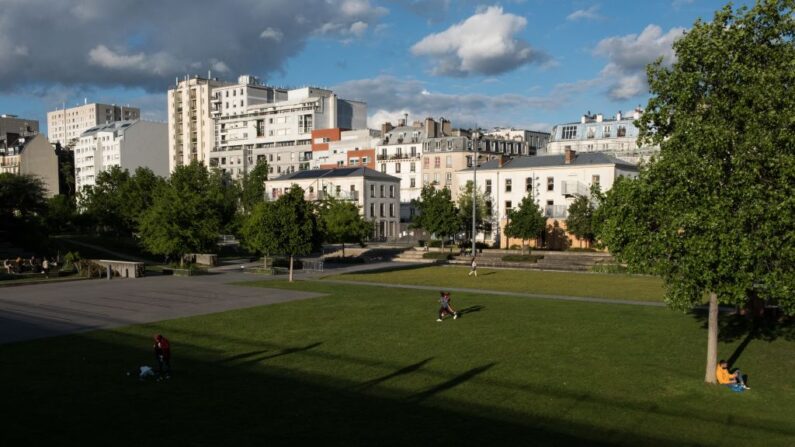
617	136
536	140
280	131
553	181
376	194
335	148
64	126
126	144
13	127
31	155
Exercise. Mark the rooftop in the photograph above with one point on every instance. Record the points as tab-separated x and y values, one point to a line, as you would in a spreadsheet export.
548	161
339	172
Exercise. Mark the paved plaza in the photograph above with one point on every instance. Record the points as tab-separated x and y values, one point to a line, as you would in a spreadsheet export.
36	311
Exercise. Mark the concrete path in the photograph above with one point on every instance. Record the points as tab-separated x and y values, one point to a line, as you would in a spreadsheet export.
45	310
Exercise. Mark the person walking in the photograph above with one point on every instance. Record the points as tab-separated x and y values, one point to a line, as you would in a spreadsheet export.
474	266
163	355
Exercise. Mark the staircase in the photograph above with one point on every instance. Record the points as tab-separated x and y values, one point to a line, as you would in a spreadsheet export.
413	255
578	262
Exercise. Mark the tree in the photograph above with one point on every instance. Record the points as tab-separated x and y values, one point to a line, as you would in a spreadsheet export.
465	209
185	216
139	195
287	226
714	214
525	222
252	186
22	207
436	212
580	222
105	202
341	222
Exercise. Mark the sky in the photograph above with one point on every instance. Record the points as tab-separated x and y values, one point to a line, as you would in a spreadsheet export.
519	63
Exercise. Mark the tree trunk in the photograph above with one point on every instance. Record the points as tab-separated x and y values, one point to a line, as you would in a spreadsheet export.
712	339
182	261
291	268
343	249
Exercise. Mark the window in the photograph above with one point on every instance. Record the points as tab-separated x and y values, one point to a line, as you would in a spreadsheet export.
413	151
364	160
412	167
425	179
436	178
550	183
392	191
606	131
412	183
508	185
383	168
528	184
622	131
595	180
372	190
591	132
448	179
488	208
569	132
372	210
381	209
488	186
391	210
381	188
383	152
397	168
437	162
426	162
508	206
448	161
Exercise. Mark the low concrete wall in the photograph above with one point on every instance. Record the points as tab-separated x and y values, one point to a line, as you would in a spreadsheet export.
124	269
210	260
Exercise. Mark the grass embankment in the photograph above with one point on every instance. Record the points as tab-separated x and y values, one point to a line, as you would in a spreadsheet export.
597	285
365	367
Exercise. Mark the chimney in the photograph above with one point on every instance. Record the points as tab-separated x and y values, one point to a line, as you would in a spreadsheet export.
447	127
501	159
618	116
385	128
583	119
430	128
569	156
637	113
599	117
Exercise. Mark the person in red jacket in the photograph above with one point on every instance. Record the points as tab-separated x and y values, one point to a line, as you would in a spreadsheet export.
163	355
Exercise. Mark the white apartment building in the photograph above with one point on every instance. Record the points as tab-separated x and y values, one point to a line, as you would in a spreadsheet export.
617	136
191	130
64	126
536	140
127	144
553	181
376	194
278	130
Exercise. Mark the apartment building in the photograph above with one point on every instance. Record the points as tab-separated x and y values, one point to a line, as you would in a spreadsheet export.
334	148
279	131
536	140
553	181
616	136
127	144
191	130
376	194
64	126
31	155
17	127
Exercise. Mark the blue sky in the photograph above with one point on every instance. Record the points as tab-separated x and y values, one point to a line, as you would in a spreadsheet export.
523	63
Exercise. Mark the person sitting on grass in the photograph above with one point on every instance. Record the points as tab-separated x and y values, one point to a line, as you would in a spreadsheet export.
163	355
445	307
734	380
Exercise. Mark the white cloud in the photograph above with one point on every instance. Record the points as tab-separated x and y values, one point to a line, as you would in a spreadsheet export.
628	56
591	13
484	44
157	63
273	34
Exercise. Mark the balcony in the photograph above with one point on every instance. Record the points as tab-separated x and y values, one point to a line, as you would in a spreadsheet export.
321	195
556	211
571	188
394	157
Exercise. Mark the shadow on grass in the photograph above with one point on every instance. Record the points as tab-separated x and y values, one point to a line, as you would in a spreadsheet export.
285	351
471	309
401	372
387	269
451	383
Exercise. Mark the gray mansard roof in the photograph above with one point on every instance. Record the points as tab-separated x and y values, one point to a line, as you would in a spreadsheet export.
339	172
547	161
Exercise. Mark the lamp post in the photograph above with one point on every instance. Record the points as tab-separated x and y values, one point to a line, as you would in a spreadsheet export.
474	187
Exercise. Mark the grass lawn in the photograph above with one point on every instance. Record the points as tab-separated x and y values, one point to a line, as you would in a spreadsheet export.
599	285
365	367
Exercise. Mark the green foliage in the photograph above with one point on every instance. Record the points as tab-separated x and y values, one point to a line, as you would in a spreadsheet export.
715	212
187	212
436	212
341	222
252	187
527	221
22	210
105	201
465	209
61	216
581	221
437	256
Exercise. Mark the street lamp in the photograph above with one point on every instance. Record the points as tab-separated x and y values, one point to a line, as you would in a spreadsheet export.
474	186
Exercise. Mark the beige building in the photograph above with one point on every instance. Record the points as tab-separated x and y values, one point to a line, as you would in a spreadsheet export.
33	155
191	130
376	194
64	126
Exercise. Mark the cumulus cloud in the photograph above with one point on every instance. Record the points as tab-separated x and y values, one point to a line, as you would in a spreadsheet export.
484	44
591	13
388	98
628	56
148	43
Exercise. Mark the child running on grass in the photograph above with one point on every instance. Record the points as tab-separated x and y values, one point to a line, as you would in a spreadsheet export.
445	307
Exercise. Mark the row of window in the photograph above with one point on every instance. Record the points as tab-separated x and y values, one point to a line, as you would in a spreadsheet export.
381	210
528	184
382	189
412	167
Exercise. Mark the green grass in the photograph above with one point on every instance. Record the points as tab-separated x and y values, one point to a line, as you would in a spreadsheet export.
611	286
367	366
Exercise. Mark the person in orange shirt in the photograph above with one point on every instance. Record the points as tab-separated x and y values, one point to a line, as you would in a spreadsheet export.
733	380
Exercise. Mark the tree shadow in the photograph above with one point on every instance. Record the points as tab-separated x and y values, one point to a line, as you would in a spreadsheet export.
283	352
402	371
455	381
241	356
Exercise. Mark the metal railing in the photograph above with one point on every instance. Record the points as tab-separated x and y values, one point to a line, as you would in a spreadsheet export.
573	187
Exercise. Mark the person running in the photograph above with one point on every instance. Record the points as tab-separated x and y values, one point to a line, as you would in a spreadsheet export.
732	380
163	355
474	266
445	307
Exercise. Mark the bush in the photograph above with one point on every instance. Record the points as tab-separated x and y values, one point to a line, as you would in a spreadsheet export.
515	247
345	260
468	244
611	267
522	258
438	243
437	256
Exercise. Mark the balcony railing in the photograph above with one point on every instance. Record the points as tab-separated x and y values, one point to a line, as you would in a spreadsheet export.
396	157
556	211
570	188
322	195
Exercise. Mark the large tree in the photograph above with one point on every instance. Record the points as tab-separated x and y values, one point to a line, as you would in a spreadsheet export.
105	201
342	222
714	214
465	209
22	207
525	222
287	226
580	221
436	213
252	187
